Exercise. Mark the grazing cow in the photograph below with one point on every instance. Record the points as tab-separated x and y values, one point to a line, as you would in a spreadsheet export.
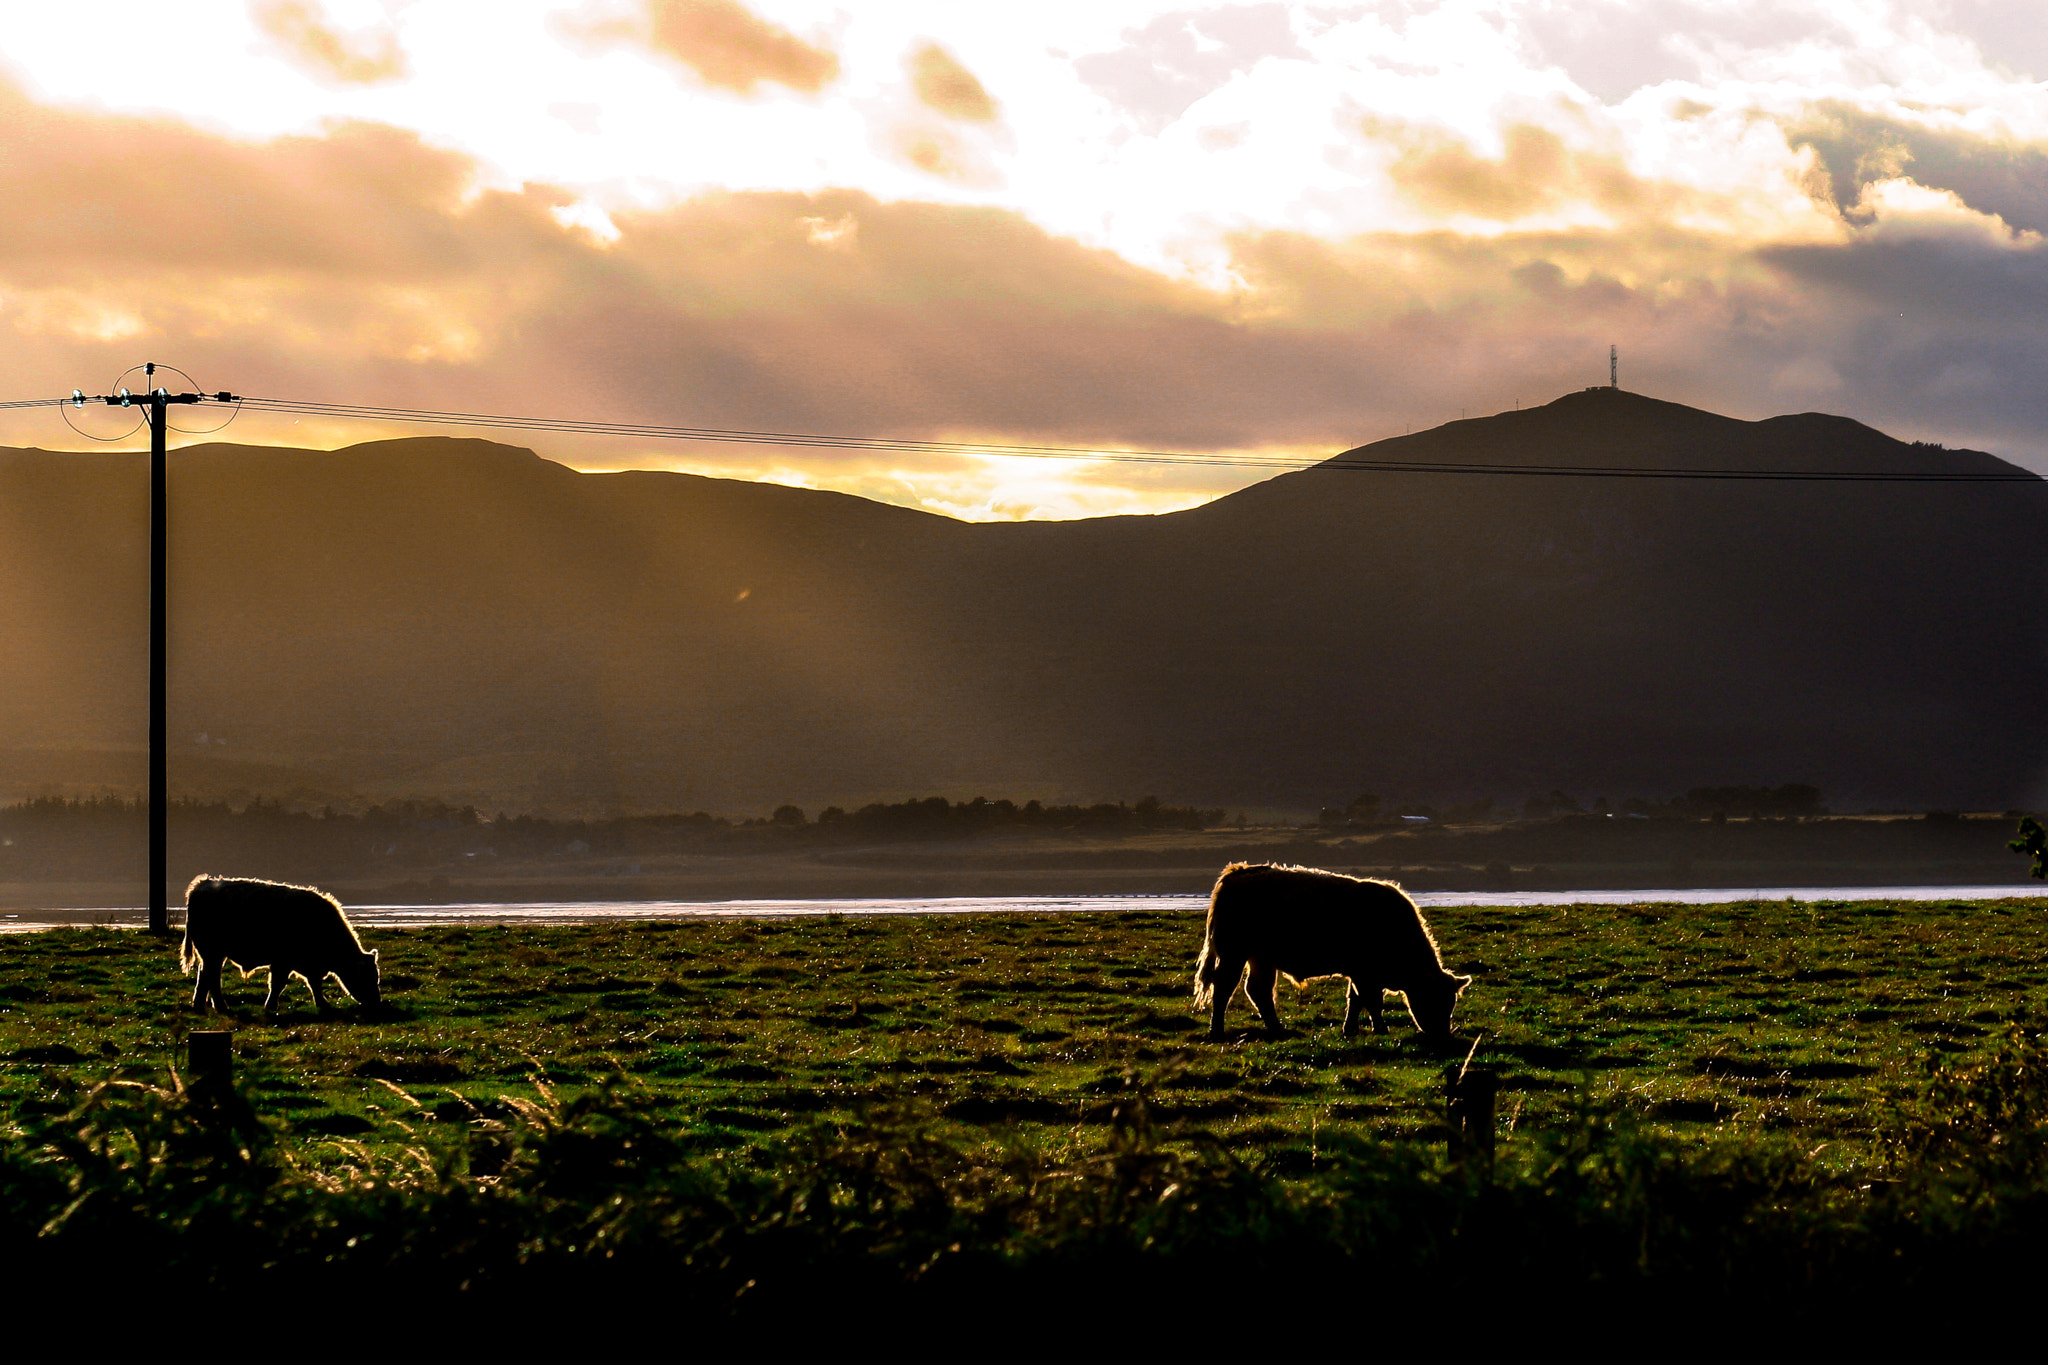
1301	923
292	930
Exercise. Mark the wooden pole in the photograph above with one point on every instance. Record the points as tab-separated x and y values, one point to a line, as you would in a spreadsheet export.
210	1054
159	669
158	414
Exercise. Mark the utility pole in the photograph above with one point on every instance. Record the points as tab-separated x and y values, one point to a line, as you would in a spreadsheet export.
157	415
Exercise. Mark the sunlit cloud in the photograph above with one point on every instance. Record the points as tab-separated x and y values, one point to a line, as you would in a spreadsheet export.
725	44
945	85
1230	231
302	33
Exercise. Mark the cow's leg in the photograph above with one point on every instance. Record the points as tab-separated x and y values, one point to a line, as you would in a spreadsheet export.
1221	989
209	984
1258	988
199	985
278	977
316	980
1354	1001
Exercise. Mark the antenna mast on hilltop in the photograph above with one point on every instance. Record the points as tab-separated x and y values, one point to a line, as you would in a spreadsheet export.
1614	367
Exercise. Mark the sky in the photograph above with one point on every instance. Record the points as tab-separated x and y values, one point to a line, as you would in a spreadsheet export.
1242	231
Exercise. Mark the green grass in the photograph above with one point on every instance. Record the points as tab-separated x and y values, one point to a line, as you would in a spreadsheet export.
1833	1115
1778	1022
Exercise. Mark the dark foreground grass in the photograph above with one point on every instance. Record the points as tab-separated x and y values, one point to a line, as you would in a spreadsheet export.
594	1217
1797	1106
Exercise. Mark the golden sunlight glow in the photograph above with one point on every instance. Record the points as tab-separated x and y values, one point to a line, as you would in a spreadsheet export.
1114	225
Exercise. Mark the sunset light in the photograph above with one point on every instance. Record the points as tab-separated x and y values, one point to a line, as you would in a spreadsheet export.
946	673
1251	229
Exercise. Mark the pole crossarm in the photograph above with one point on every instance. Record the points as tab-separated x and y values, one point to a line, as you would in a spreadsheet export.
122	398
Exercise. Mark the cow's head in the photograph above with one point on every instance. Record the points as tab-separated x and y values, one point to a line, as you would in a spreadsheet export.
359	978
1430	1004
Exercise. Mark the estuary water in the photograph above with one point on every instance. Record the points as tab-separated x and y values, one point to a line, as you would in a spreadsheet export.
617	912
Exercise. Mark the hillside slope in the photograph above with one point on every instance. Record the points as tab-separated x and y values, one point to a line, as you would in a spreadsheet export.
463	619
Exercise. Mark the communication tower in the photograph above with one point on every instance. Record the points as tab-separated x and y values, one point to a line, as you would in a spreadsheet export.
1614	367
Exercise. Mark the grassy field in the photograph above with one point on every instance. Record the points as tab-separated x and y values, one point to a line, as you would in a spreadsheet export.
1792	1024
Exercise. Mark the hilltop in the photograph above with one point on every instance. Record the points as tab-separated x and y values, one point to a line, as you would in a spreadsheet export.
465	620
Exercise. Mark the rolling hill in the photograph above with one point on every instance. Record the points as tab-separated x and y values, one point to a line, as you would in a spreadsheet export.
460	619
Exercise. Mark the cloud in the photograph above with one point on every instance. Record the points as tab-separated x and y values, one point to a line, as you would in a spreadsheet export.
948	87
1165	66
1536	171
1745	258
2009	33
952	130
1612	48
1807	376
298	29
362	202
585	118
726	44
2000	175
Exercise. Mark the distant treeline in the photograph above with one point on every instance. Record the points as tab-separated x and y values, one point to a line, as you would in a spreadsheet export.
935	817
99	838
1793	800
420	849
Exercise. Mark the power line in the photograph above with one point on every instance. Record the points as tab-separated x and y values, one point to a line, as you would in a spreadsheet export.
918	446
740	437
649	431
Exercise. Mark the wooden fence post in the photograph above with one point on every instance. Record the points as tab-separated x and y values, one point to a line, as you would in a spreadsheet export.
210	1054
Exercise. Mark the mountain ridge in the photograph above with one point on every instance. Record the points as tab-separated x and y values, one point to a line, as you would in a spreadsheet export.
456	618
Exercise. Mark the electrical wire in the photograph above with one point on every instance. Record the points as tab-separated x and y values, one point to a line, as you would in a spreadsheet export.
647	431
63	403
898	445
233	413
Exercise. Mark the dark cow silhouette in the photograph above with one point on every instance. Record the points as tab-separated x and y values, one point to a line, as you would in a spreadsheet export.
1302	923
292	930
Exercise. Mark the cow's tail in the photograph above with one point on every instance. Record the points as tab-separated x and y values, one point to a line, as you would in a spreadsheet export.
188	956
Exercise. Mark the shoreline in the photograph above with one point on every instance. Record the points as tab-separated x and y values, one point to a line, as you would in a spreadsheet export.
570	912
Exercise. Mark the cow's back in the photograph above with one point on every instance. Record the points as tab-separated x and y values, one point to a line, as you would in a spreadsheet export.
1304	920
257	923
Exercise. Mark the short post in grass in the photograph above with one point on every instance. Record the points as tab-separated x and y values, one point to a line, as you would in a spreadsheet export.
1469	1095
210	1055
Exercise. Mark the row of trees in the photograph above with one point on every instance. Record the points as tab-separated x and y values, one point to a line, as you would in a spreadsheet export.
55	838
935	817
1793	800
